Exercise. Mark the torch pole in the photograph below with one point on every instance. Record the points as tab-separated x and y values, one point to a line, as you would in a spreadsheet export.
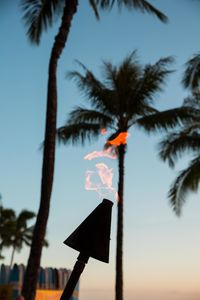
74	277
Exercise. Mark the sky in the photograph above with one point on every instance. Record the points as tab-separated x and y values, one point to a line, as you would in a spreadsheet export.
161	251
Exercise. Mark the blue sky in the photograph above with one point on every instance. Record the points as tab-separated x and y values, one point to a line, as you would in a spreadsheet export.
161	251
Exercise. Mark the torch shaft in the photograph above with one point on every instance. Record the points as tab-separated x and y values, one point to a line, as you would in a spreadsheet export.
71	283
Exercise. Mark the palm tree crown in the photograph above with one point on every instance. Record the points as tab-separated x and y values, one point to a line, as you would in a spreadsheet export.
14	231
21	233
124	98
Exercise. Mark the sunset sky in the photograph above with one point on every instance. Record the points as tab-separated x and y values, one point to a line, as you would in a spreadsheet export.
161	251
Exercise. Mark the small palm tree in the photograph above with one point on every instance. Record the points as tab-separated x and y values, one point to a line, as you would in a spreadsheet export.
21	233
124	99
7	217
185	139
39	16
14	231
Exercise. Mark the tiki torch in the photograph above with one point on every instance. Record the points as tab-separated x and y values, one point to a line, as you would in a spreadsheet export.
92	239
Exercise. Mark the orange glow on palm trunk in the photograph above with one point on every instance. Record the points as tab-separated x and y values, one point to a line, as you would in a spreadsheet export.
120	139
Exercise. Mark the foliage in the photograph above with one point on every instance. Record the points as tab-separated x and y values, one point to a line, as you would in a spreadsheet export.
7	217
14	230
184	139
192	73
39	15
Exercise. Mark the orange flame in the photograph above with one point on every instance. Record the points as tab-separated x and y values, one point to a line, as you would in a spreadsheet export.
120	139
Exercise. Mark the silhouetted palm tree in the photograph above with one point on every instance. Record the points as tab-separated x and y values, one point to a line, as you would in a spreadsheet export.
20	232
13	229
184	140
7	216
122	100
39	16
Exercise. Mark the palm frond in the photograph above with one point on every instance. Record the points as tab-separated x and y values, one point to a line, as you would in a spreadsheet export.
187	181
7	214
23	218
129	66
100	97
121	81
166	120
26	242
83	115
144	88
191	78
128	72
191	127
25	215
39	15
193	101
141	5
154	78
94	8
78	133
109	74
175	144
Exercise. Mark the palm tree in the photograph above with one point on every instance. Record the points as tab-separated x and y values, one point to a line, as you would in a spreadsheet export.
39	16
185	139
20	232
124	99
14	231
7	217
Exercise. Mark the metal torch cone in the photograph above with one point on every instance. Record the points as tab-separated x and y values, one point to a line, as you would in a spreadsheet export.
92	239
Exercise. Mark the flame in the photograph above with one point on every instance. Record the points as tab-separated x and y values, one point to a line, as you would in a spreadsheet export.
100	180
105	174
88	184
104	153
120	139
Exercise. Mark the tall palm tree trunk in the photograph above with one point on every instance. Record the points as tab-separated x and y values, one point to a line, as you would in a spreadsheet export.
119	250
12	257
30	279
